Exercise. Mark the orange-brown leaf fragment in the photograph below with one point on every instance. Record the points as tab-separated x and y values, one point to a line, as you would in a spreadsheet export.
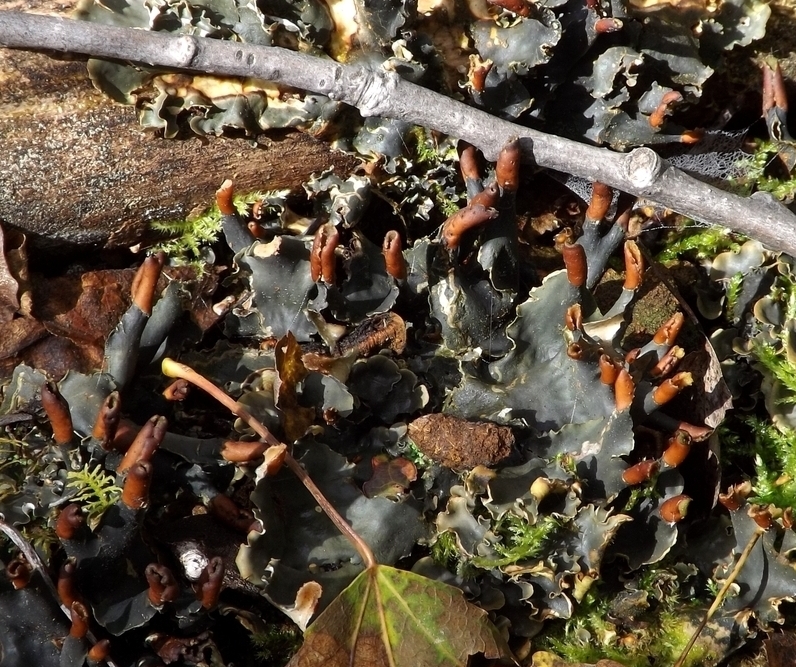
296	418
401	619
390	478
458	443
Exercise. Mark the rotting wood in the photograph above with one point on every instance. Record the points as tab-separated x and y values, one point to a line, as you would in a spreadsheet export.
77	168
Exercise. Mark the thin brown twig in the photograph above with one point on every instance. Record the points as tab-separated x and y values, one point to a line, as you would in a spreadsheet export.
175	369
721	595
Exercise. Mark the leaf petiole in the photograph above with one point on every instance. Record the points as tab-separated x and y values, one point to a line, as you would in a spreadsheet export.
174	369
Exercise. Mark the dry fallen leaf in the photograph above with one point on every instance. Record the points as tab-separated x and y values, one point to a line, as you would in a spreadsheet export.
84	308
9	287
781	649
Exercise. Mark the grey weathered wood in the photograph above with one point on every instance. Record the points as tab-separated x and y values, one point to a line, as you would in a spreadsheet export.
381	93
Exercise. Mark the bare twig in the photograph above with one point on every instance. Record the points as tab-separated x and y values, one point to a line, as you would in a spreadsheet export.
376	92
721	594
32	557
175	369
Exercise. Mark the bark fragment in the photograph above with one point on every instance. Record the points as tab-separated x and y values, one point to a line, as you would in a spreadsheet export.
458	443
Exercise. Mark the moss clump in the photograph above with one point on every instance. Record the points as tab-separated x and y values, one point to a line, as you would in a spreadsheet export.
699	243
764	453
639	493
733	289
17	463
775	464
773	351
430	158
757	177
185	239
417	457
663	631
276	644
96	492
445	552
521	540
776	364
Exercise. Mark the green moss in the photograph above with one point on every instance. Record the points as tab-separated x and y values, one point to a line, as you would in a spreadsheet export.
96	491
417	457
733	446
276	644
776	363
698	243
429	157
752	442
784	291
775	464
639	493
656	636
771	351
445	552
675	633
730	440
521	540
17	463
732	289
21	461
588	635
426	151
41	537
187	238
756	176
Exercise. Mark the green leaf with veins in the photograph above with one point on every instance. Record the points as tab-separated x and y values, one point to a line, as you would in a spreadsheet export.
401	619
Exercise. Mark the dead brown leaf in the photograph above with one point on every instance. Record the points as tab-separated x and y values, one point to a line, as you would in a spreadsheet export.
17	334
83	308
781	649
391	477
9	287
